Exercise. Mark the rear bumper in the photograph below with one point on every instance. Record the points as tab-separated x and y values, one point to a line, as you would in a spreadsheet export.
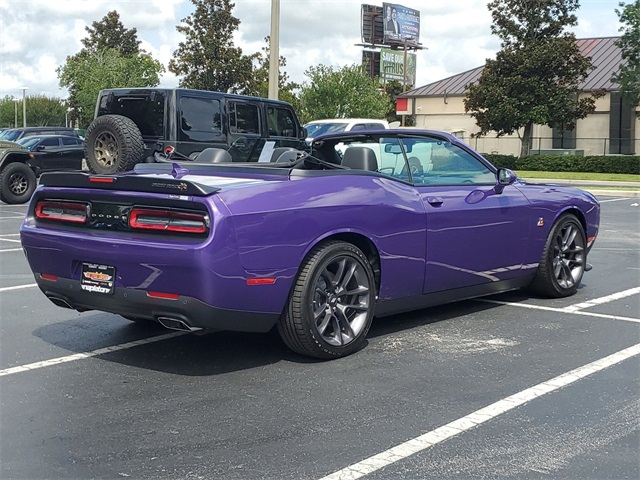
131	302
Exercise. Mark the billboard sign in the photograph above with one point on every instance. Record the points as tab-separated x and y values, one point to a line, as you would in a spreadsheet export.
400	24
392	66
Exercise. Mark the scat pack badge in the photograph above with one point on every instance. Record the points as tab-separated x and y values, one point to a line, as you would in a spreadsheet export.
173	186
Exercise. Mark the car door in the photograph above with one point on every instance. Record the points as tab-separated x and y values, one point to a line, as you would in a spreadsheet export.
47	154
71	153
474	234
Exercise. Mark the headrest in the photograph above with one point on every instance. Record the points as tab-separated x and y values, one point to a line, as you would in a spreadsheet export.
214	155
284	154
360	158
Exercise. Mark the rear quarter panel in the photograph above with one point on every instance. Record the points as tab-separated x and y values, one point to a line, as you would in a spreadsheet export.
279	223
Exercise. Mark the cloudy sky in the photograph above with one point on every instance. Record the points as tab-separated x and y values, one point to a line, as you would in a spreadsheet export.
37	35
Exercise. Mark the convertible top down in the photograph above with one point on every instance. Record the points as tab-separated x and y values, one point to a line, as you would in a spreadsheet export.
313	243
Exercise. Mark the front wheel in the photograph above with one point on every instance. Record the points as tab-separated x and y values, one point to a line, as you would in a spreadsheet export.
17	183
331	307
563	259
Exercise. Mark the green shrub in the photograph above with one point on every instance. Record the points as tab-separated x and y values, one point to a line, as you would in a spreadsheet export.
504	161
569	163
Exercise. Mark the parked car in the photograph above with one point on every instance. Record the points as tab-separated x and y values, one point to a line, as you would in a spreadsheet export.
15	134
17	178
335	125
22	162
315	244
54	152
132	125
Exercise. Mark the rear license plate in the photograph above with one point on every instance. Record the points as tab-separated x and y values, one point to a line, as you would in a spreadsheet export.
98	278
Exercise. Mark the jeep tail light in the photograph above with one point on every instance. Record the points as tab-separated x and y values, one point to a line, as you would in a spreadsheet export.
170	221
72	212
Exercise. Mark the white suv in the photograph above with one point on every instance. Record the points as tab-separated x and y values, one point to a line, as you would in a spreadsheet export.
332	125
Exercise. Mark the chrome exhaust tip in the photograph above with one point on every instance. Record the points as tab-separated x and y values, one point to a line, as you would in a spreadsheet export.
176	324
60	302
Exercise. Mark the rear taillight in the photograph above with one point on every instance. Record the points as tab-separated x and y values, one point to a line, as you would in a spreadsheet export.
170	221
72	212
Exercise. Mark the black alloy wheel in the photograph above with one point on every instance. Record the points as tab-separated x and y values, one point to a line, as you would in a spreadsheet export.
564	259
331	307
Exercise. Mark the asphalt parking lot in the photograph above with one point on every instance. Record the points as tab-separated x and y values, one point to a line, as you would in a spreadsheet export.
499	388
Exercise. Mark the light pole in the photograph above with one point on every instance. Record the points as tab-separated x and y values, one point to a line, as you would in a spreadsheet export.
15	111
24	106
274	53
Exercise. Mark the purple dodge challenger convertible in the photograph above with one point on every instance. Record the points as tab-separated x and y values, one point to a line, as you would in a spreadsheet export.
314	243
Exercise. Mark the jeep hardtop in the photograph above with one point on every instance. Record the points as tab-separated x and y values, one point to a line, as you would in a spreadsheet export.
134	125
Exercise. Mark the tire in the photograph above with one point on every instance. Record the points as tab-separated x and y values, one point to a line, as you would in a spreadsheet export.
331	305
563	259
113	143
17	183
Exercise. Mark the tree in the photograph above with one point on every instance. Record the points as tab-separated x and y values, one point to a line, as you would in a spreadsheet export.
345	93
629	74
207	59
41	111
85	75
535	78
111	58
260	86
111	33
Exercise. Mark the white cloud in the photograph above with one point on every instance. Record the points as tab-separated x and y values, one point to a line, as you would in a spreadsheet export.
38	35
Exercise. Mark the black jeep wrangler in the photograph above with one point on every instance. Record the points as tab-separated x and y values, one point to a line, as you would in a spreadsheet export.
134	125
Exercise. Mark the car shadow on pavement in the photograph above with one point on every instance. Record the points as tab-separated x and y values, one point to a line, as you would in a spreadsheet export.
213	353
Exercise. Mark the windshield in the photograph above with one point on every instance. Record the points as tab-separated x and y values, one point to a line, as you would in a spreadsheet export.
316	129
29	142
10	135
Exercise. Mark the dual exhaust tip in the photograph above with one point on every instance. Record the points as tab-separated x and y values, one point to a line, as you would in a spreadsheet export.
167	322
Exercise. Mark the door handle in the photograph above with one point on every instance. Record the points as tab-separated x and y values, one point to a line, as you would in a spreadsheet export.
435	201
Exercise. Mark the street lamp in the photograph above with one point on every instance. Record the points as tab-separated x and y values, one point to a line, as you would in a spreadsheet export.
24	106
15	111
274	53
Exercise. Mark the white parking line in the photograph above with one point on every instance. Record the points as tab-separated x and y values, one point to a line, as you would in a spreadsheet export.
9	240
560	310
11	250
10	235
83	355
614	200
440	434
17	287
601	300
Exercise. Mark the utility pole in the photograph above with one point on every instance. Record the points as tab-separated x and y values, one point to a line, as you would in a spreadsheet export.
274	51
24	106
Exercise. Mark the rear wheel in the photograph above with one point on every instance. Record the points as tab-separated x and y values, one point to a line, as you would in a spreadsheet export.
563	259
331	306
17	183
113	143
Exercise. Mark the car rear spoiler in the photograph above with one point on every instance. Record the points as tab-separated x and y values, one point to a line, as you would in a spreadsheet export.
135	183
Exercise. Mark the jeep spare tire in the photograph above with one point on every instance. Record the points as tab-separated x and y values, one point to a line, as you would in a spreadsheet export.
113	143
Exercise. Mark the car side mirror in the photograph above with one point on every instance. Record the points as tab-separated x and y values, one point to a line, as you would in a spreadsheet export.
39	148
303	133
504	177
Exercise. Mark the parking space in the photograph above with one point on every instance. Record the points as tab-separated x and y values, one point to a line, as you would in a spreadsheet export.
505	387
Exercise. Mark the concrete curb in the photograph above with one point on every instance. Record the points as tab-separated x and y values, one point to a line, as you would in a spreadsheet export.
612	193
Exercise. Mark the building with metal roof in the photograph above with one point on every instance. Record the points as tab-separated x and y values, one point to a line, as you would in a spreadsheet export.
611	129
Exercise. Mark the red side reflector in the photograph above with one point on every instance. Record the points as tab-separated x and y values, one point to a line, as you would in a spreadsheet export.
47	276
165	296
167	220
591	239
102	179
62	211
261	281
